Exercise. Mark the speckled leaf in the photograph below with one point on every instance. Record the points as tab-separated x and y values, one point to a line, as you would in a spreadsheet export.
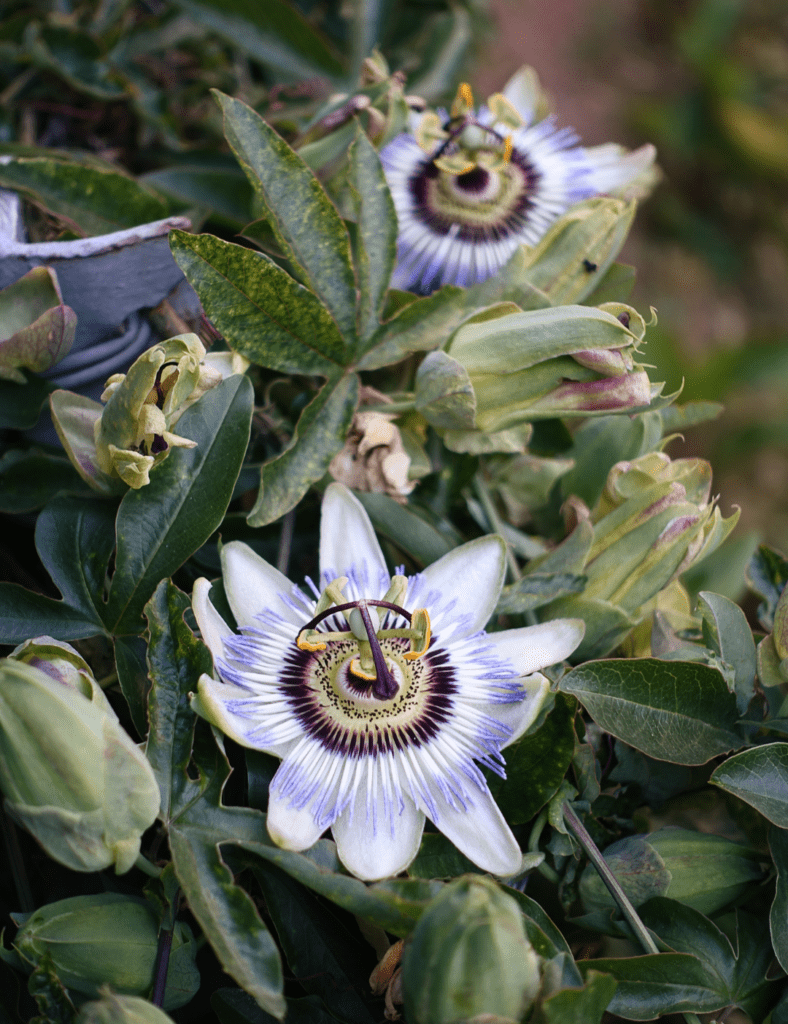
93	201
536	765
376	227
301	215
261	311
159	526
758	776
673	710
319	435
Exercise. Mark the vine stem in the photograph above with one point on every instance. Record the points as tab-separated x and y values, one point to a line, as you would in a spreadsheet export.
580	832
145	865
495	522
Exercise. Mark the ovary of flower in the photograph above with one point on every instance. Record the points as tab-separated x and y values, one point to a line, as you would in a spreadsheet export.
381	695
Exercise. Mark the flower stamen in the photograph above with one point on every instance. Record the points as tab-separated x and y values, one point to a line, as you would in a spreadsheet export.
370	665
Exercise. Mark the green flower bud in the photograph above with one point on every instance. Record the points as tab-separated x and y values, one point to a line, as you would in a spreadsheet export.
71	775
706	872
654	519
65	665
504	368
469	958
125	930
114	1009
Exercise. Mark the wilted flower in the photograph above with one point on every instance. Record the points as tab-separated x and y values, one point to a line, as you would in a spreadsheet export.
70	773
379	693
373	457
68	933
120	442
469	958
704	871
470	186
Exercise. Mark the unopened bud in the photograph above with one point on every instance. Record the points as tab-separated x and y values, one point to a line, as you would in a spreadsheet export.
125	930
469	958
704	871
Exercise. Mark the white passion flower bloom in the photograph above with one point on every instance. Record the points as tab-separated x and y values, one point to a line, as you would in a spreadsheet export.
469	187
382	695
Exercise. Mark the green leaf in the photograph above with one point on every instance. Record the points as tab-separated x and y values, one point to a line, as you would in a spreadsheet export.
759	777
227	914
132	669
376	231
305	222
92	200
261	311
543	934
159	526
75	56
319	435
537	589
74	541
233	1006
767	575
395	905
444	393
402	525
672	710
726	632
536	765
778	915
20	404
210	185
580	1006
175	662
321	952
590	234
417	327
600	443
30	479
657	984
274	33
438	857
736	971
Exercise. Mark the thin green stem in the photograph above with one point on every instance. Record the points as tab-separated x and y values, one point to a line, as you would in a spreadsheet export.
145	865
581	834
533	847
495	522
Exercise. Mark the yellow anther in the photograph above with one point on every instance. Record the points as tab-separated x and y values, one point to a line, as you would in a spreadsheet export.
308	645
420	623
508	147
463	101
357	670
466	93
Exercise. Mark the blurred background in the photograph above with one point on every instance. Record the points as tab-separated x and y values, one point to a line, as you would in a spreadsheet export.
126	81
